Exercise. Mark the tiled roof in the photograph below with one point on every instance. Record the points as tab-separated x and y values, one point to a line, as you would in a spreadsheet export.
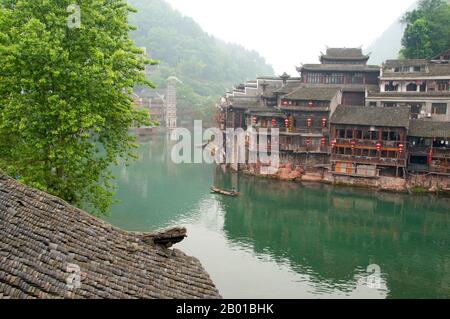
266	112
339	68
430	69
346	53
371	116
312	94
45	241
436	94
430	129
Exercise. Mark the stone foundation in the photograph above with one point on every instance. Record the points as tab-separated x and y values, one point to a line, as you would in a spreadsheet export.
312	168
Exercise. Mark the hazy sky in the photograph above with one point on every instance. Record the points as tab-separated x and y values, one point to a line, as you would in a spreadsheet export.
290	32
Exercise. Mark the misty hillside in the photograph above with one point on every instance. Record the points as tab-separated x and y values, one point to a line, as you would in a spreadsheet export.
388	45
207	66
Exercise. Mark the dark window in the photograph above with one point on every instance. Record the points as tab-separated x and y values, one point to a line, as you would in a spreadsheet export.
373	104
390	87
411	87
341	133
358	134
374	135
439	108
385	136
366	135
423	87
349	134
442	86
393	136
373	153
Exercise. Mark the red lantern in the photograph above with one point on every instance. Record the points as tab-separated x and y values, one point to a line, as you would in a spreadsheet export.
286	122
311	103
430	157
401	148
333	143
309	122
285	102
324	122
353	144
274	122
378	147
255	120
308	142
324	141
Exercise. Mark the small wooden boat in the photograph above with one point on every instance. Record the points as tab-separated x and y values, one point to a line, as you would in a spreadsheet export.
224	192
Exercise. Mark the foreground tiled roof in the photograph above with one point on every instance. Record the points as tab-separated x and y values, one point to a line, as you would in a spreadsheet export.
44	240
430	129
373	116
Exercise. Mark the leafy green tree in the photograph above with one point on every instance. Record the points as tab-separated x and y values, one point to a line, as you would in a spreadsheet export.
65	96
427	30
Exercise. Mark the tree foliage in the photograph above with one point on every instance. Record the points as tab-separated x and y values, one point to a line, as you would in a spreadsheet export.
427	30
65	106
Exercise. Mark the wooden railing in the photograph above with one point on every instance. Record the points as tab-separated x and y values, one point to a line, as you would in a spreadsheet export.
369	143
441	152
305	149
369	160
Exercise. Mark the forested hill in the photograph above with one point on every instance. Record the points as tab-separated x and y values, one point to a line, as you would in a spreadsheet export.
206	65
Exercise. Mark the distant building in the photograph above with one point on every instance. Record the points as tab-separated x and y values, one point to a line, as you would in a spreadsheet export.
331	122
367	142
429	147
345	68
422	85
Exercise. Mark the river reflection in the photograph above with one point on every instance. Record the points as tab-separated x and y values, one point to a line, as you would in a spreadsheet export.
284	240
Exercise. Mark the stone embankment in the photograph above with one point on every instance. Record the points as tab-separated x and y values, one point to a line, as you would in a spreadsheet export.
412	183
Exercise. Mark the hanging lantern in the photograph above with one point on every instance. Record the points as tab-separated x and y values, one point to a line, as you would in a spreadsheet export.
401	148
309	122
333	143
255	120
324	141
353	144
324	122
274	122
308	142
311	104
285	102
286	122
379	147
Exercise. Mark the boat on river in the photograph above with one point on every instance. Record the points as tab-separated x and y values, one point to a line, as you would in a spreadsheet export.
224	192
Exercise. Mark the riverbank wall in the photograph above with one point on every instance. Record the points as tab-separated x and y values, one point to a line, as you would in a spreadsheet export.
322	174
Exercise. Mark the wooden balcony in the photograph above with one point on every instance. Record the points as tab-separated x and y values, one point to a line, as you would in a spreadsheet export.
441	153
368	143
445	170
369	160
305	149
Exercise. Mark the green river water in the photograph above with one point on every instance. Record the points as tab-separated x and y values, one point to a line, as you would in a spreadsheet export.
286	240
